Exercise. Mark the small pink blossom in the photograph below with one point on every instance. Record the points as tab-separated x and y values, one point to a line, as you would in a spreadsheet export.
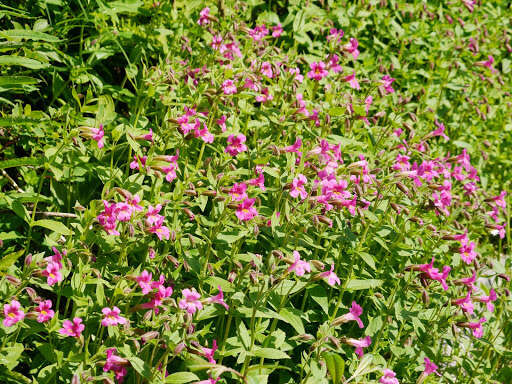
389	377
45	313
467	252
219	299
351	47
52	273
190	301
359	344
488	300
352	81
204	17
277	30
258	182
222	123
300	267
465	303
236	144
318	71
13	313
228	87
116	364
72	328
111	317
430	367
386	83
246	210
210	352
97	135
297	187
144	281
238	192
331	277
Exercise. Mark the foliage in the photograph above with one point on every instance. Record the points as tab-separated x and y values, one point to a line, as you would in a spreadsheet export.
249	191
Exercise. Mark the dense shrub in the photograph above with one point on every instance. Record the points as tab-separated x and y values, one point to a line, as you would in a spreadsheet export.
281	192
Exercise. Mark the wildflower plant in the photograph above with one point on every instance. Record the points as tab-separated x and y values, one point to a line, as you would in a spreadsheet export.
255	192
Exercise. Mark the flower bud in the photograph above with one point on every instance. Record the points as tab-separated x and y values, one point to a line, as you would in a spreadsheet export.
28	259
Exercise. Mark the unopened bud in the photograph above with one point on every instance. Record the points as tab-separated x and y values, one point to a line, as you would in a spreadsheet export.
179	348
149	336
13	280
28	259
318	264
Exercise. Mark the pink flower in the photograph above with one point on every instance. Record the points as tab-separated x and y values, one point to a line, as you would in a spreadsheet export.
389	377
222	123
210	352
386	83
152	216
238	192
204	16
430	367
298	187
236	144
277	30
73	328
352	81
467	281
219	299
112	317
258	182
488	63
144	281
134	203
295	146
359	344
432	273
488	300
135	163
228	87
265	96
439	131
318	71
246	210
333	64
203	133
160	230
123	211
467	252
45	312
52	273
354	313
299	266
465	303
351	47
97	135
335	35
331	277
266	69
108	219
297	75
13	313
258	32
190	301
475	326
116	364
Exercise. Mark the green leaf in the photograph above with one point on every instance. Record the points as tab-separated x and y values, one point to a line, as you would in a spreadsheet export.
357	284
270	353
28	35
368	259
336	366
22	62
53	225
292	319
18	162
140	366
180	378
319	295
10	259
10	355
